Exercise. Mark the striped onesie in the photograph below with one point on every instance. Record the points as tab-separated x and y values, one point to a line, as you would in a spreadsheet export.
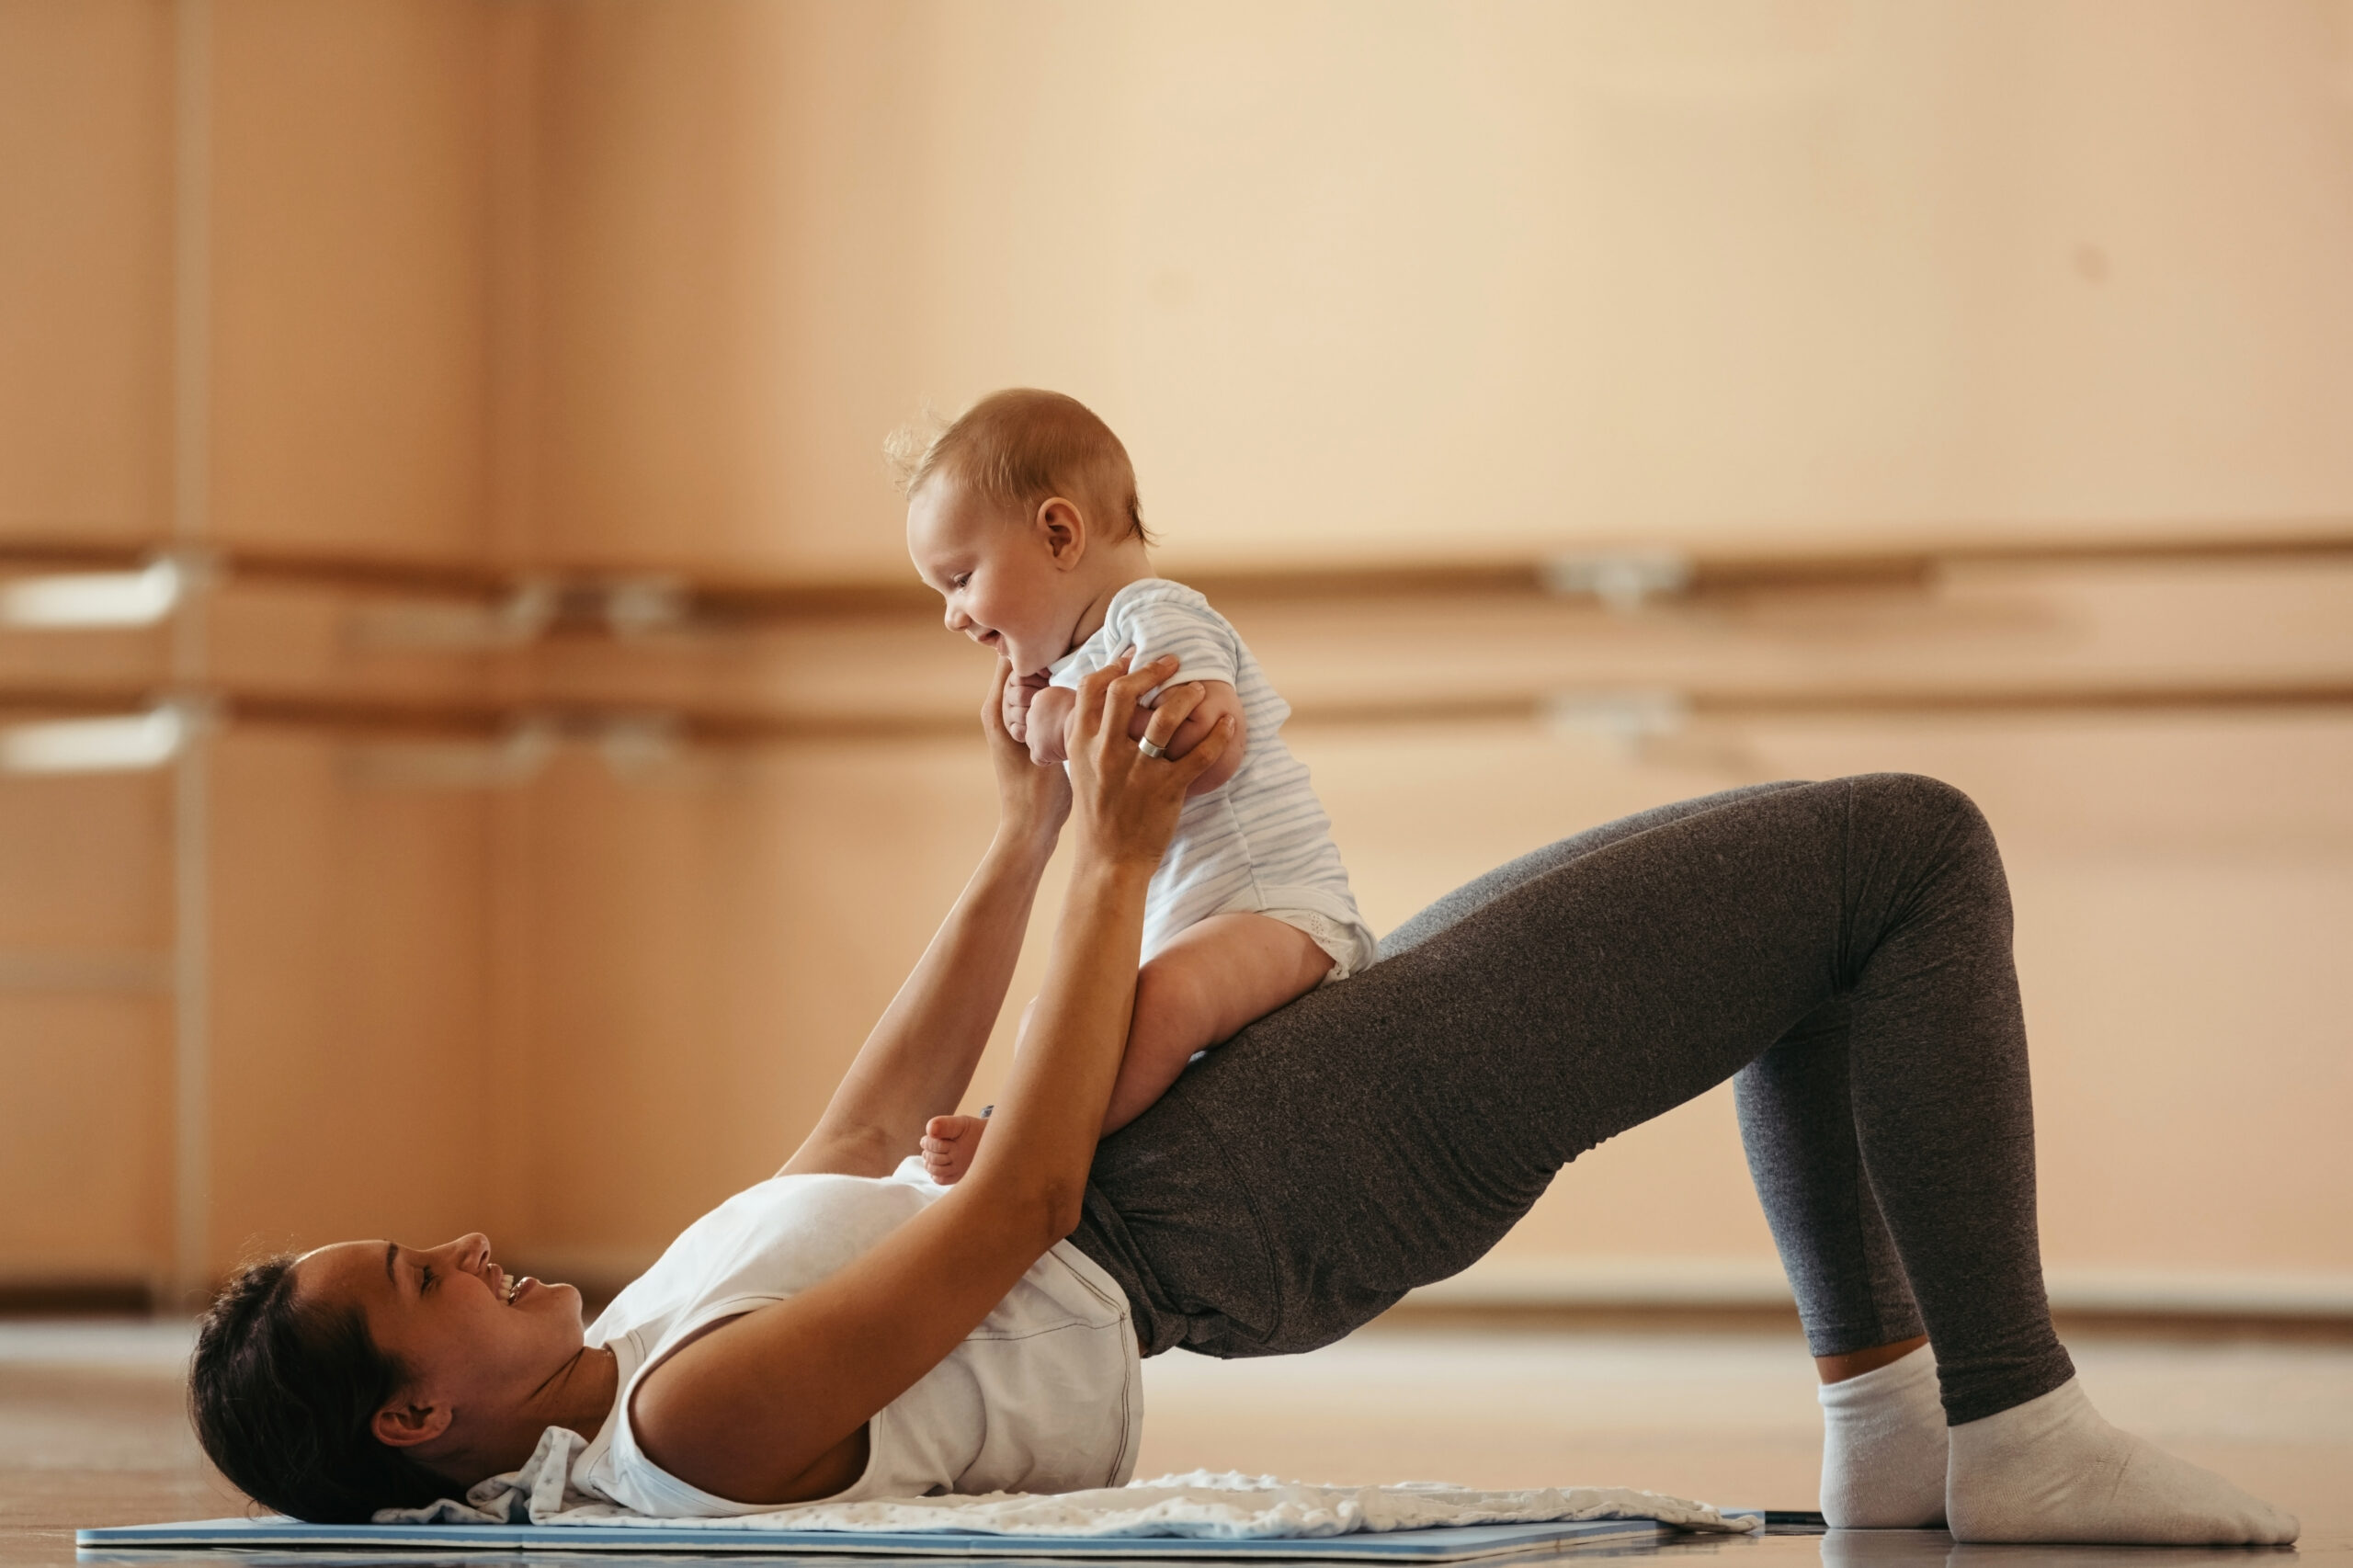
1259	845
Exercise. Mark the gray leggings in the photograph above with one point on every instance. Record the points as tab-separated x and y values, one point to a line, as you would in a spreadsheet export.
1843	947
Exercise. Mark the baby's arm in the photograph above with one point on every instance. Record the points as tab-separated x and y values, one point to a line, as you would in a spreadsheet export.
1218	699
1050	713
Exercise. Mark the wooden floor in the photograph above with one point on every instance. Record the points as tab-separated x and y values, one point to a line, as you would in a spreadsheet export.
92	1430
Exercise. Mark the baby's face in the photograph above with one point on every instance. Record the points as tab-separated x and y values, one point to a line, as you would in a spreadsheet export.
995	572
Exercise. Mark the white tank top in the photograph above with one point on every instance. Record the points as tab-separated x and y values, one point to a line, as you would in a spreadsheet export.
1045	1395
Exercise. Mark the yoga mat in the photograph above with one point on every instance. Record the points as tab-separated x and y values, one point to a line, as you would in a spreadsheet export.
392	1543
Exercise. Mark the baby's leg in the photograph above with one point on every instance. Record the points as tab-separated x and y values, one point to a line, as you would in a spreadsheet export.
1199	991
950	1141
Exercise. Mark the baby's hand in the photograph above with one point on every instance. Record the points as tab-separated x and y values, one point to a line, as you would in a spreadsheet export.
1019	692
1050	713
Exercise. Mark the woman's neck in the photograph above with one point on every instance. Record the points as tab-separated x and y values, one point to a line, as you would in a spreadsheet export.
579	1395
584	1391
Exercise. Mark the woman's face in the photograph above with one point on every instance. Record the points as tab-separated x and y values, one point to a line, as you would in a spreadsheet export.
475	1340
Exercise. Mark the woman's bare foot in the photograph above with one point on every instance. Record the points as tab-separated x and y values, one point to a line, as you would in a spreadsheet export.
948	1144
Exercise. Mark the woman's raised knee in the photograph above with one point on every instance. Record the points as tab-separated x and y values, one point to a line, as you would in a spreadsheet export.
1910	832
1919	800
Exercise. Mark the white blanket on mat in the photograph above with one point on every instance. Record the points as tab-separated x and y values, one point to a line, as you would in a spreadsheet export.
1199	1506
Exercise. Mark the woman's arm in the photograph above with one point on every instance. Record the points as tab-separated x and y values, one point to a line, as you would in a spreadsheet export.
768	1407
919	1059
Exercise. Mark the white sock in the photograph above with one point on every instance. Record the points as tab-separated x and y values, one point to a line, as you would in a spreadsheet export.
1883	1447
2053	1470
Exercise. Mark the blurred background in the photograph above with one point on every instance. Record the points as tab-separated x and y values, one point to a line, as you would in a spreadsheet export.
473	754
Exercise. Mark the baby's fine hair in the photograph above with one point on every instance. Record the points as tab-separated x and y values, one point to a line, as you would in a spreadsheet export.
1019	445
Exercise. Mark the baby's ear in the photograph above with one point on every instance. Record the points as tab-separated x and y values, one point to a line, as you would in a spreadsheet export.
1063	527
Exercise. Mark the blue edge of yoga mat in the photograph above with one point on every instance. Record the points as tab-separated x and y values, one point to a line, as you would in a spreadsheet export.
394	1543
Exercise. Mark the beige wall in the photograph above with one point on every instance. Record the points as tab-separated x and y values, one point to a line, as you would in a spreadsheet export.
351	933
1542	272
618	283
351	221
85	119
84	1122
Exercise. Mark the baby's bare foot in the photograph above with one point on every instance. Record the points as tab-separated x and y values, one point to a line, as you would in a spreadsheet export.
948	1144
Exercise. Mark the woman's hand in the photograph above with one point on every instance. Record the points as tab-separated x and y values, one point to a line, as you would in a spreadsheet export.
1032	802
1128	800
1217	700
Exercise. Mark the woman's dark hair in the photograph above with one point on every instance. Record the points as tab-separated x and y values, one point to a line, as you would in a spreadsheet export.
282	1398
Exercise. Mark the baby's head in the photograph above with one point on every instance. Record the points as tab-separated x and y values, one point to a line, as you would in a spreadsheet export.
1019	514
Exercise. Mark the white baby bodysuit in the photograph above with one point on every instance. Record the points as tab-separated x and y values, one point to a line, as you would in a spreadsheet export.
1261	844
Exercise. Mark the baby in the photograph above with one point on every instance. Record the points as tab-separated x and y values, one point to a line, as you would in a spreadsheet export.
1023	514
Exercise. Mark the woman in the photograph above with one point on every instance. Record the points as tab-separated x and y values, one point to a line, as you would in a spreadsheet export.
1842	948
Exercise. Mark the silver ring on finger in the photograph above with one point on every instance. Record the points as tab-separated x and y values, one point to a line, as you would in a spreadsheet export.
1153	749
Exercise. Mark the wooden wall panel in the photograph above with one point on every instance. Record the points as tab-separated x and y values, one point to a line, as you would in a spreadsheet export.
296	640
351	1001
1987	629
83	864
86	118
708	948
352	229
720	190
85	923
85	1138
2200	1065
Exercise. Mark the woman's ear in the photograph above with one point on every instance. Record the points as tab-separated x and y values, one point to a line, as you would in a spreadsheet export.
404	1423
1062	529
